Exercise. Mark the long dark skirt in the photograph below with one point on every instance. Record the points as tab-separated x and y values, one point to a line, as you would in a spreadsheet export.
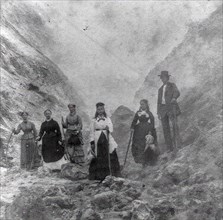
29	158
99	167
51	150
139	143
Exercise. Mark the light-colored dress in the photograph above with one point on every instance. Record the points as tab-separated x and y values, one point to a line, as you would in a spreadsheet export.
98	126
29	157
106	159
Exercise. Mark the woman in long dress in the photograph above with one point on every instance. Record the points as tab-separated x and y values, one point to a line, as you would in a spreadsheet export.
143	126
52	150
73	136
103	147
29	158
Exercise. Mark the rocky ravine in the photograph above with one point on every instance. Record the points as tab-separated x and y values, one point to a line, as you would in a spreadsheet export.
185	186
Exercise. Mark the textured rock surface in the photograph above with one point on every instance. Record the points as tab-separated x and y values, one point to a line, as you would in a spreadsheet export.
82	200
186	185
74	172
29	80
141	211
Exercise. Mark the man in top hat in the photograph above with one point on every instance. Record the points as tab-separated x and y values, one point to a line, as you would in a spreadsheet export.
168	109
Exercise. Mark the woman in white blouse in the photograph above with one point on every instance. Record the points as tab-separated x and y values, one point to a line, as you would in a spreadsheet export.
103	146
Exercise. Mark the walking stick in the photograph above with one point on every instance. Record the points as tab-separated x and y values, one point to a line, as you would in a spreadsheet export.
7	146
130	139
109	159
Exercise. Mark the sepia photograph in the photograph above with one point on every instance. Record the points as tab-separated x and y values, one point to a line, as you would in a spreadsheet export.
111	110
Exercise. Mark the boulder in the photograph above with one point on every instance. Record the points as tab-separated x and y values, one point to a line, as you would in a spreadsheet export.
63	202
73	171
120	184
90	214
28	206
173	175
178	172
164	209
104	200
141	211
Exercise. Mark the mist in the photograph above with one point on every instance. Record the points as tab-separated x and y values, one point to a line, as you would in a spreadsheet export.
106	49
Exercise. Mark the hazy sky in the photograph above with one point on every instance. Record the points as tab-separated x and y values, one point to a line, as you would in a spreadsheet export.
107	48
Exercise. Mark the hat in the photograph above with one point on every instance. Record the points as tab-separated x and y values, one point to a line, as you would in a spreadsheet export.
23	113
71	105
47	110
99	104
164	73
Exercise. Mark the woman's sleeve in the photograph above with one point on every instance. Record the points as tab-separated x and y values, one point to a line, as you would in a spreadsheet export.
135	119
41	132
57	128
80	122
18	129
34	130
110	125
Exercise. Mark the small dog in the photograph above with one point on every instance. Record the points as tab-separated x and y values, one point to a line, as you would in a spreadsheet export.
150	142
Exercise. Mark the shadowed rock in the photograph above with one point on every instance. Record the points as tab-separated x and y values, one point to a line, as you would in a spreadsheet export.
73	171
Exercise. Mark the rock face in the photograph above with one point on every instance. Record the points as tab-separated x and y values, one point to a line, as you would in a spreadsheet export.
141	211
73	171
29	206
196	60
29	80
187	185
114	198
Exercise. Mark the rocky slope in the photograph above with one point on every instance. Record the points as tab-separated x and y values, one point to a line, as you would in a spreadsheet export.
50	197
183	186
30	82
196	59
188	185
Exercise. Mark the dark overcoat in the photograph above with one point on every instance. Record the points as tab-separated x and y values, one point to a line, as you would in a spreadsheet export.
170	93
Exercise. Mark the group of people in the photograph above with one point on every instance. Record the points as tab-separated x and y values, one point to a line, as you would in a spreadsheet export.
56	150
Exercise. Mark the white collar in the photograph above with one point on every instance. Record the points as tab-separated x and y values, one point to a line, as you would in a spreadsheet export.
99	118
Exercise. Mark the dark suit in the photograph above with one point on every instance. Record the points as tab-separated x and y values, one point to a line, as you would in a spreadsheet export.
168	112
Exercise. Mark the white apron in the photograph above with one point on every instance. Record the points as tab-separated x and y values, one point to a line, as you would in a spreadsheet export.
98	126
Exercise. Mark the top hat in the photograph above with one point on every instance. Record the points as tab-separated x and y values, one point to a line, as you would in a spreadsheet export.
164	73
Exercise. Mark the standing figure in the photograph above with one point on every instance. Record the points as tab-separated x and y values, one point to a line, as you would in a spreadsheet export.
29	158
103	147
168	110
52	150
73	136
143	126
